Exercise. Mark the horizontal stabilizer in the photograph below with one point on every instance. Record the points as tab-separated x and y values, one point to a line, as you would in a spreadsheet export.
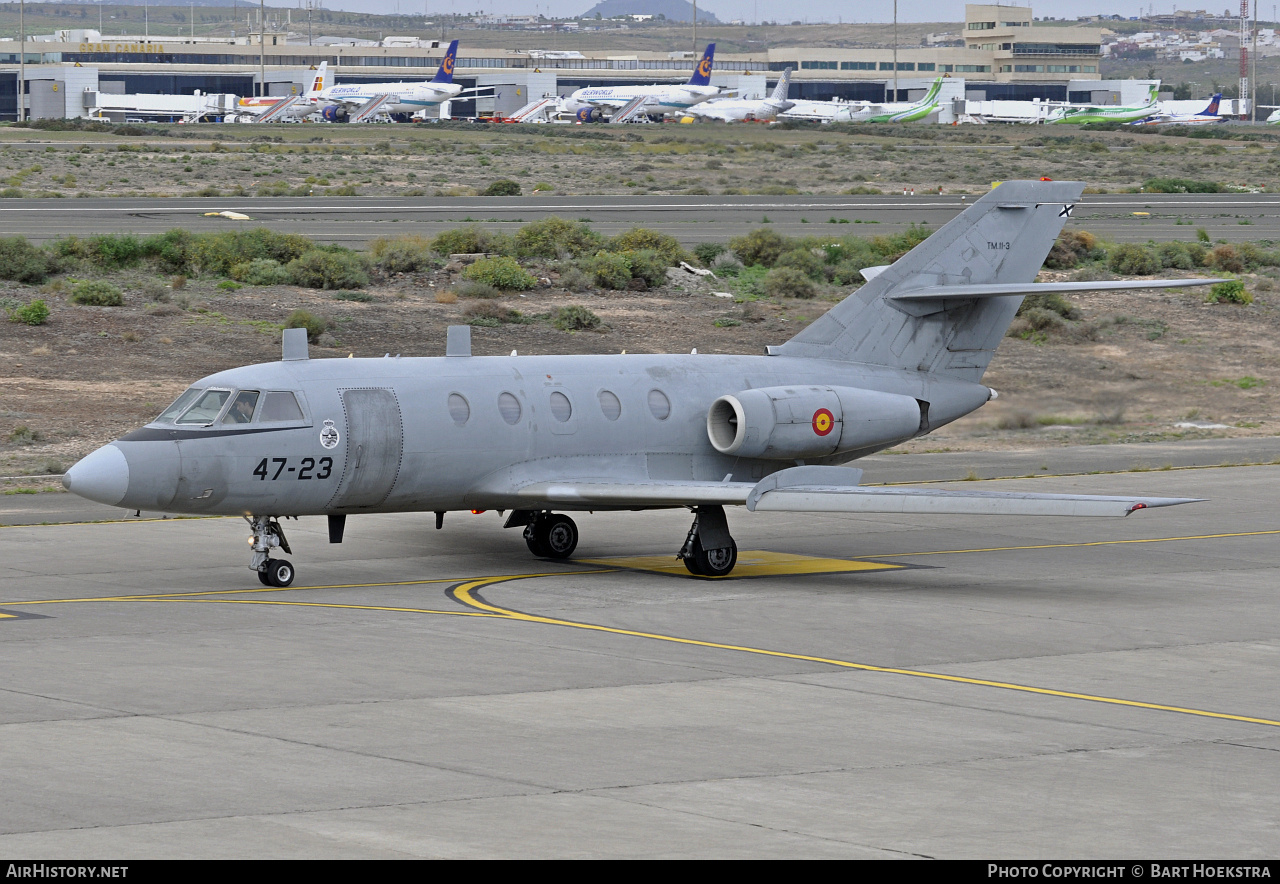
826	490
997	290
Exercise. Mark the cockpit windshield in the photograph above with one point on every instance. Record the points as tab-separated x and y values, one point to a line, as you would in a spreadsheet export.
179	405
241	410
206	408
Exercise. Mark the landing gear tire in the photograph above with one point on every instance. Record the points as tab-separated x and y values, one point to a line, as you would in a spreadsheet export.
713	562
552	536
263	578
279	573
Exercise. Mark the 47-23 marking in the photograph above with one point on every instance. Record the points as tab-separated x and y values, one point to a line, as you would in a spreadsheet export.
302	471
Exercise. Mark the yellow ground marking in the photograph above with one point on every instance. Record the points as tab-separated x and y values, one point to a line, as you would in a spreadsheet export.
751	563
464	593
292	604
7	616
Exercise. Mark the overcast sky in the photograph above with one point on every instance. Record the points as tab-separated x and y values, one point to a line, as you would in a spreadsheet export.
783	10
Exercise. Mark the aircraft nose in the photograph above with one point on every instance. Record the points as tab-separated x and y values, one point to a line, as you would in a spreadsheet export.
103	476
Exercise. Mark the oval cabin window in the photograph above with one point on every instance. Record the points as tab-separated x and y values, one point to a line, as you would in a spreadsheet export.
610	407
561	410
459	409
509	408
659	405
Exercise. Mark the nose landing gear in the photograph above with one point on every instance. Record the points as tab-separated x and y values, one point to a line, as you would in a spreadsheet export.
268	535
709	550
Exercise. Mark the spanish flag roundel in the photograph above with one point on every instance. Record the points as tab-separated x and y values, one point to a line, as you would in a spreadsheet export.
823	421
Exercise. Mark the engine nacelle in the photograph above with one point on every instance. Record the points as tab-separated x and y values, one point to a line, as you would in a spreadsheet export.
588	114
792	423
334	113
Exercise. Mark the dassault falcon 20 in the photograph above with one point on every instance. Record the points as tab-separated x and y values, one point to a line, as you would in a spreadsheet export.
899	357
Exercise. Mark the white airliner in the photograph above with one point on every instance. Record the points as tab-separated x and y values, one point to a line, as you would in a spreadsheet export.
587	104
733	110
1205	117
361	100
278	108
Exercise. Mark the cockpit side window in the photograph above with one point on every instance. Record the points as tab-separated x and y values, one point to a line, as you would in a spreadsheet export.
241	410
180	404
280	406
206	408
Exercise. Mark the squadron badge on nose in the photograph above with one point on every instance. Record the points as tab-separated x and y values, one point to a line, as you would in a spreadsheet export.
329	435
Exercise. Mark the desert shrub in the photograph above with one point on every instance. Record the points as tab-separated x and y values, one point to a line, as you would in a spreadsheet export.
805	261
500	272
1198	253
96	293
472	241
1040	319
554	237
648	265
787	282
154	290
1051	302
404	254
178	282
1181	185
228	285
1226	258
359	297
471	289
490	314
575	318
502	187
1230	292
1175	255
113	251
888	249
23	262
707	252
609	270
761	246
329	269
261	271
639	239
575	279
848	273
217	253
315	325
1072	247
35	313
1133	260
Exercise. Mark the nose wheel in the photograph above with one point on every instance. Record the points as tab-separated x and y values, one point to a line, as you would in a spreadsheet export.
709	550
268	535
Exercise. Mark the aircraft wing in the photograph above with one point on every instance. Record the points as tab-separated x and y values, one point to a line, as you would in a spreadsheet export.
996	290
827	490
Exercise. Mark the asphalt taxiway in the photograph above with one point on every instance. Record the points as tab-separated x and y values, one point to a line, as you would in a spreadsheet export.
863	686
353	221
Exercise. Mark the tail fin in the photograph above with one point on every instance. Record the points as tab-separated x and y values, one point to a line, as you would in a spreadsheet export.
702	73
318	82
1212	109
780	91
1152	93
445	74
1002	238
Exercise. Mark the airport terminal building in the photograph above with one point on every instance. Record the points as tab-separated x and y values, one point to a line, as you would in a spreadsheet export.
1001	53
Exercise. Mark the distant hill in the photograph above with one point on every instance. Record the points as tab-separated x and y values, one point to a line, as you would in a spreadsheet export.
674	10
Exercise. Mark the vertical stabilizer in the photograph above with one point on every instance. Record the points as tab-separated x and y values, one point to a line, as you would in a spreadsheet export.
1212	109
780	91
1004	237
318	81
702	73
445	74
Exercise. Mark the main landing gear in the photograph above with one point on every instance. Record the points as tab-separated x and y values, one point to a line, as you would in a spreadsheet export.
709	550
268	535
551	536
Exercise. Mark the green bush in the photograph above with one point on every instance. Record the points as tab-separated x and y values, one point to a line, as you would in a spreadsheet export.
648	265
1226	258
472	241
314	325
217	253
1230	292
1180	185
1175	255
707	252
500	272
575	318
228	285
805	261
329	269
1072	247
502	187
787	282
609	270
23	262
96	293
639	239
261	271
34	313
1048	302
404	254
1133	260
761	246
555	237
469	288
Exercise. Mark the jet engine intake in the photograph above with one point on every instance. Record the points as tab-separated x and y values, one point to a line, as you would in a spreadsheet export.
588	114
334	113
789	423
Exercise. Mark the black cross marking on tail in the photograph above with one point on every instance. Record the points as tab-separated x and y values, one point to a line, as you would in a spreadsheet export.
1066	212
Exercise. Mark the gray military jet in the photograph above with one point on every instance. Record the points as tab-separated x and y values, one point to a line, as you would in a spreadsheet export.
899	357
